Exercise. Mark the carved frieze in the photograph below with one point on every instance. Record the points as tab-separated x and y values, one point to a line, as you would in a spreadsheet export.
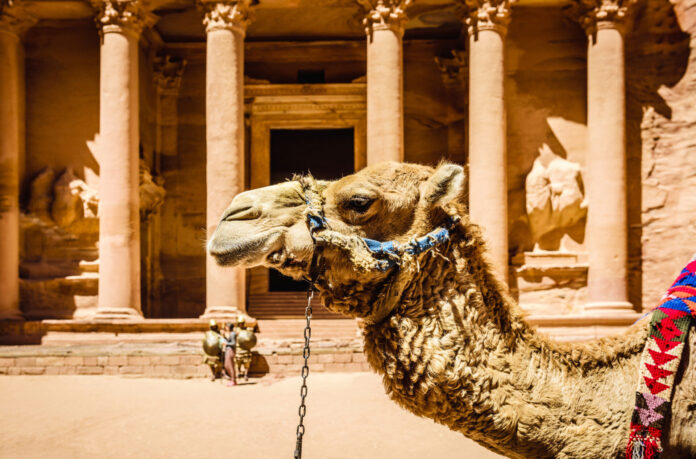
14	17
385	15
331	89
230	15
167	72
129	17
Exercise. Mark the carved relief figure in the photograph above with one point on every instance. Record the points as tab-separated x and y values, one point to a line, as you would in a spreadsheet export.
555	198
69	199
73	199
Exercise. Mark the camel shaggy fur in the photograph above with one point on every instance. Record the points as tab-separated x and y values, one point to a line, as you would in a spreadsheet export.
441	329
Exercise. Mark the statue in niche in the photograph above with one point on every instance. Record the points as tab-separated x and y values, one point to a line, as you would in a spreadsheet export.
73	199
555	200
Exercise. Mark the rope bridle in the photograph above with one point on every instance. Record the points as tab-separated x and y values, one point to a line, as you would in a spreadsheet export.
387	256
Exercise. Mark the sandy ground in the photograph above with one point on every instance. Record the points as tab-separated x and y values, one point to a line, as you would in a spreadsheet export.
349	416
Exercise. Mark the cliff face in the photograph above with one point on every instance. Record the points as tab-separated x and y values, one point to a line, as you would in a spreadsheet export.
661	109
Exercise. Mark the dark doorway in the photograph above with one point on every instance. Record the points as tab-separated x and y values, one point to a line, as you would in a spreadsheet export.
328	154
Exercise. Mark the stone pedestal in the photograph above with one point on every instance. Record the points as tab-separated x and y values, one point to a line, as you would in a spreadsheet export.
487	128
384	26
225	27
605	181
551	282
13	22
120	26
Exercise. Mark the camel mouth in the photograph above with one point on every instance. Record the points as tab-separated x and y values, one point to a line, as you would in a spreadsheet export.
247	250
287	264
282	260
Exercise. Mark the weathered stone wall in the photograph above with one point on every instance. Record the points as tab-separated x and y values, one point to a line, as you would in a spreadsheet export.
661	78
62	87
159	362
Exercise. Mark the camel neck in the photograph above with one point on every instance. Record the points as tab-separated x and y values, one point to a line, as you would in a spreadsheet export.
457	350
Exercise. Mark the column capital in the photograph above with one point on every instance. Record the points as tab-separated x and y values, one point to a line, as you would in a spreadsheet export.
167	72
122	16
227	15
602	14
14	18
385	15
487	15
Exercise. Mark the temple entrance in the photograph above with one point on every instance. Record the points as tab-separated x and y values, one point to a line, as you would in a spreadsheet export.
296	129
325	153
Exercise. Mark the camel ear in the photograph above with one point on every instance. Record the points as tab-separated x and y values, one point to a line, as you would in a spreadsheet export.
445	185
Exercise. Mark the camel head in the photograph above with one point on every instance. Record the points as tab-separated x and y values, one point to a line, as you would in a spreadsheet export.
384	202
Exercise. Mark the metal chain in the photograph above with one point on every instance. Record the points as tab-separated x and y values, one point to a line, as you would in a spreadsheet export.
305	372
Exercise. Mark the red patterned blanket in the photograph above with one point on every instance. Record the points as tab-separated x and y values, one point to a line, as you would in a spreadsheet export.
669	328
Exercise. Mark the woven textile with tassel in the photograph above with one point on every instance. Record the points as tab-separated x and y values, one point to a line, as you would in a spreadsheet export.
669	328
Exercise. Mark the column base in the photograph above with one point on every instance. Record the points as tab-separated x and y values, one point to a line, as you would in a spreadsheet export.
117	314
11	315
222	313
609	307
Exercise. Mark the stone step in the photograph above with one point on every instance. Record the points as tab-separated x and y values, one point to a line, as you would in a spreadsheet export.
89	266
166	360
161	331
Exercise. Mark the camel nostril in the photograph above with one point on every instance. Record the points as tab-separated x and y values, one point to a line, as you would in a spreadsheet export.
246	212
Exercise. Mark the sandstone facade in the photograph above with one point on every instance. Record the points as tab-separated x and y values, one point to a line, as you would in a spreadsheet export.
125	139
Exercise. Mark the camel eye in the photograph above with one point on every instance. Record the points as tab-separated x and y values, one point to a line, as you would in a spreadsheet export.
359	204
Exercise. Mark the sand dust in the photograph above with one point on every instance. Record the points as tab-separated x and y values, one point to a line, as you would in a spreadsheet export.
349	416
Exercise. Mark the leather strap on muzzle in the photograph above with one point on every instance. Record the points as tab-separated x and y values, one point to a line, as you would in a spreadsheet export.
315	222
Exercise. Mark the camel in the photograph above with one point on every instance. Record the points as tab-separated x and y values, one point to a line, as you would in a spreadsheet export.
439	326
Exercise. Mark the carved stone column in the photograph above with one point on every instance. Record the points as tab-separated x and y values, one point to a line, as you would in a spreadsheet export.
167	74
13	23
606	232
384	25
120	24
487	22
225	25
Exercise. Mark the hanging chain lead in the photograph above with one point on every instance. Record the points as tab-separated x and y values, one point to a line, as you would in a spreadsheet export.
305	372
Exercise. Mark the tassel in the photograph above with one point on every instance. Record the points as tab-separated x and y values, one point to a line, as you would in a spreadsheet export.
652	449
638	450
636	447
643	445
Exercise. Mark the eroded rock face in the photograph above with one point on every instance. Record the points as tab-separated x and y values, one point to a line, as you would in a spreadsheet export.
554	197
